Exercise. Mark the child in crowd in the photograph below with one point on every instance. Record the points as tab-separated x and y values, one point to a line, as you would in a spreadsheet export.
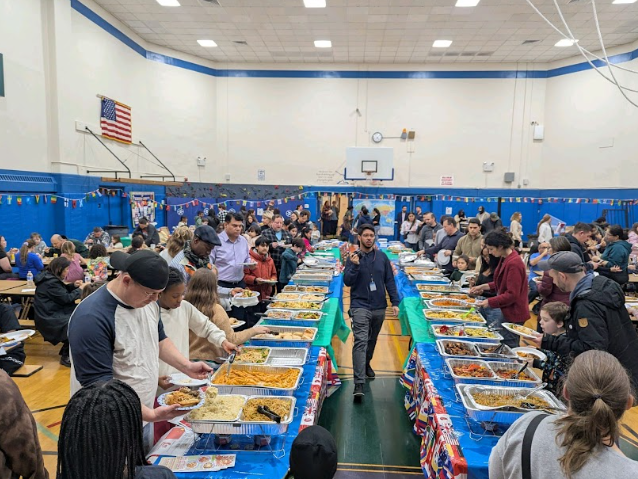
290	260
183	221
40	245
98	263
346	232
306	235
75	272
252	234
462	265
294	232
200	218
552	319
90	288
265	270
116	242
316	235
28	260
137	243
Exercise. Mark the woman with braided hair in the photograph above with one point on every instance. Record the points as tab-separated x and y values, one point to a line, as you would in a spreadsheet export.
101	436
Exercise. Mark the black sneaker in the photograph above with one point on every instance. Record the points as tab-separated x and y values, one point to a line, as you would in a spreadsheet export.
369	372
358	392
65	361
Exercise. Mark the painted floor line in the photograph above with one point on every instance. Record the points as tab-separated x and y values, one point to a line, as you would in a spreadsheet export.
42	429
48	408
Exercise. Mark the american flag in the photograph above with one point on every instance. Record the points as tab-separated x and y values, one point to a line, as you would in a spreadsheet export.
115	121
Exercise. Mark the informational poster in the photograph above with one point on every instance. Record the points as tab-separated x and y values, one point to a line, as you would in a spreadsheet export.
447	181
143	205
261	175
385	207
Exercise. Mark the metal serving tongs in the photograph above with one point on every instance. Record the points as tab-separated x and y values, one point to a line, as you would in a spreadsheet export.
229	362
266	411
517	374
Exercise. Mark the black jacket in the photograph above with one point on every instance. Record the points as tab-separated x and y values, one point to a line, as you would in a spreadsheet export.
599	320
54	302
151	236
488	225
576	246
374	265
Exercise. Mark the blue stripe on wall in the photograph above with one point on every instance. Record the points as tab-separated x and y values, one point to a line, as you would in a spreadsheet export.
346	74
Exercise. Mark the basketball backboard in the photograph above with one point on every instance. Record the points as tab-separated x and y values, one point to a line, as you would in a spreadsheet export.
369	163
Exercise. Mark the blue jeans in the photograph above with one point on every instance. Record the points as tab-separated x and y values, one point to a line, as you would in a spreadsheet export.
533	291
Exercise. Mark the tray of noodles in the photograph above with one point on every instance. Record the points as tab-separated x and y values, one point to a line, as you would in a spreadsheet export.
504	405
257	380
294	305
246	418
453	316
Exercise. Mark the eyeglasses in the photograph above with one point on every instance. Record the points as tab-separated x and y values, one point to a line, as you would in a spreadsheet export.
149	294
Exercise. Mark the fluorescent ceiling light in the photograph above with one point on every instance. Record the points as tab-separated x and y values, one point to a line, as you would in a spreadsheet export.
565	42
316	3
442	43
620	2
207	43
467	3
323	43
168	3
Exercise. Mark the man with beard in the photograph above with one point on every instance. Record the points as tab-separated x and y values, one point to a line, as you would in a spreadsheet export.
196	253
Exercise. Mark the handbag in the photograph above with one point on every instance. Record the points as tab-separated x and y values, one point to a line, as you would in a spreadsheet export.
526	451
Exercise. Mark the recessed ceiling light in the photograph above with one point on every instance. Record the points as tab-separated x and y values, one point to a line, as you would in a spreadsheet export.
323	43
442	43
620	2
467	3
314	3
565	42
168	3
207	43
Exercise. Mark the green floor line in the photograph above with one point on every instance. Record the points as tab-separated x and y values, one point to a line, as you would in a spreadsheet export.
42	429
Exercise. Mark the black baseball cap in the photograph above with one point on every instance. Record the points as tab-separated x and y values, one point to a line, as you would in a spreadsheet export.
207	234
145	267
313	454
563	262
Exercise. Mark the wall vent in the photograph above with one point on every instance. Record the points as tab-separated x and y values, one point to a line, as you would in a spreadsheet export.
27	183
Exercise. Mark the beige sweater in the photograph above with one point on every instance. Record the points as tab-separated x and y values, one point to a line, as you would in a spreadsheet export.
201	348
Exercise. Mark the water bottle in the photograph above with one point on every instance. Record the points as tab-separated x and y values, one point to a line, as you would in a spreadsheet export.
87	277
30	283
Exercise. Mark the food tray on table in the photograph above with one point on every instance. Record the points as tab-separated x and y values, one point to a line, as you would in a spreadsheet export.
309	334
521	382
278	314
253	355
422	270
249	428
506	353
292	288
447	303
427	295
288	356
312	278
458	348
469	392
453	316
286	296
438	288
424	278
477	370
468	333
298	318
294	305
249	372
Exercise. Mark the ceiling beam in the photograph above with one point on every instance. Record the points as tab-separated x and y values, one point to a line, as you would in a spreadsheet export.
137	181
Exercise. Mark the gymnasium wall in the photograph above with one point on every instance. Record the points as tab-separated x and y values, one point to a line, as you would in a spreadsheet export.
60	53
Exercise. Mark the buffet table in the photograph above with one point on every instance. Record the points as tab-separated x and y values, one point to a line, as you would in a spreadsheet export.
271	462
449	449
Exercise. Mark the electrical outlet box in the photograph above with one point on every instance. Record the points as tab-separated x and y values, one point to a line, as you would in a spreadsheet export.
539	132
227	177
201	161
488	166
411	134
509	177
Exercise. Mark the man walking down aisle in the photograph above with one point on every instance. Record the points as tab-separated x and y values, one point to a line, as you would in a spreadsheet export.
368	273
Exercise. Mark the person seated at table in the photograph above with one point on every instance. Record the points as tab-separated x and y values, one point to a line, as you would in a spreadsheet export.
6	271
137	243
202	294
20	452
147	231
313	455
98	236
75	271
180	318
580	443
98	263
183	221
90	288
101	435
462	266
14	359
56	246
306	236
53	304
40	245
265	270
116	242
289	262
27	260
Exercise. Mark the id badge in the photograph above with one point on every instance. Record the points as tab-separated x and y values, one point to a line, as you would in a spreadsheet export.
373	287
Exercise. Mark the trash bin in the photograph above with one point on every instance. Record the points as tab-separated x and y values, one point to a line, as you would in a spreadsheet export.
119	230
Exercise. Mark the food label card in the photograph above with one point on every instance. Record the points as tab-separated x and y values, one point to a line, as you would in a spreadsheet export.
198	463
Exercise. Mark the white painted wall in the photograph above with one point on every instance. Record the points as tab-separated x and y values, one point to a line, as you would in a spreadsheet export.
56	61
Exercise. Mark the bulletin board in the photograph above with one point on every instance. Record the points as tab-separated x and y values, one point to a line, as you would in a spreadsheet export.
142	204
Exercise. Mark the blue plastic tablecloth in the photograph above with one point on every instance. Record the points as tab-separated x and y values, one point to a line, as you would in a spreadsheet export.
337	289
475	448
404	286
263	464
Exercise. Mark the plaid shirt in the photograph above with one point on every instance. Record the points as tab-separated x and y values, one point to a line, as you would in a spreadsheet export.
221	216
276	253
